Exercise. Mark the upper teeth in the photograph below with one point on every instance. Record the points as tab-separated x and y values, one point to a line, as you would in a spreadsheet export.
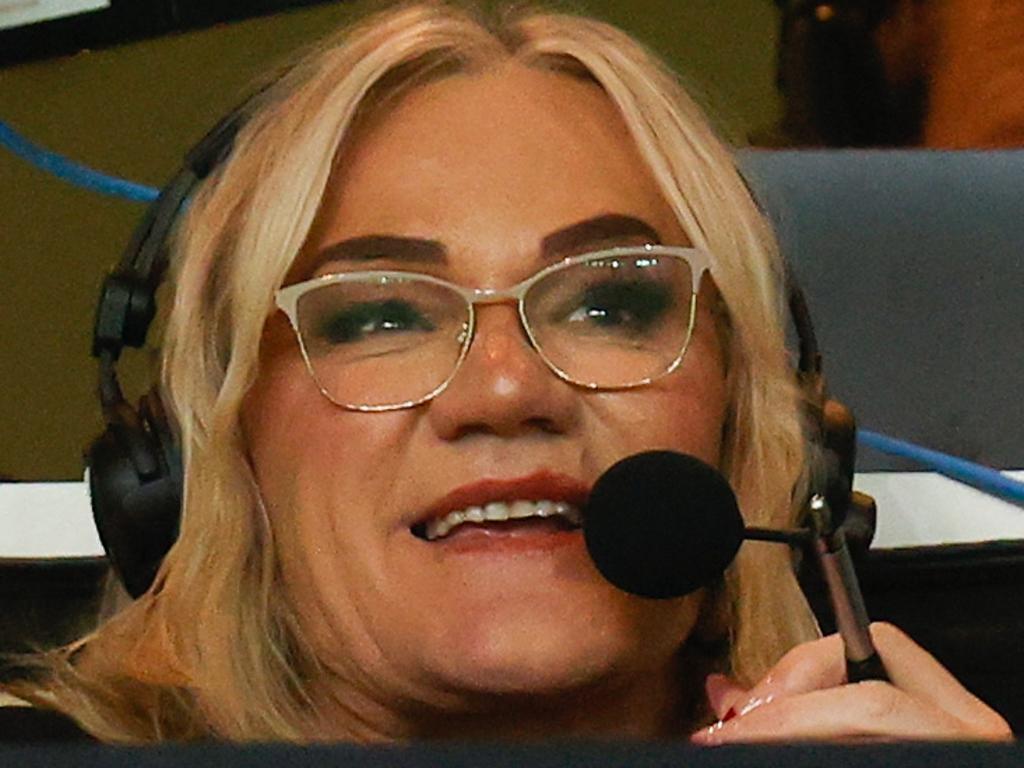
501	510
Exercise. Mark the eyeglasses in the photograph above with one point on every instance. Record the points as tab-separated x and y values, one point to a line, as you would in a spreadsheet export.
385	340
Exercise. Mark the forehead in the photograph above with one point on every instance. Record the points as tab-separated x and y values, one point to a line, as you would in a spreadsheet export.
491	162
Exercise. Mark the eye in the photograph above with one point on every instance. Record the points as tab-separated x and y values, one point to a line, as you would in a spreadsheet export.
632	306
371	319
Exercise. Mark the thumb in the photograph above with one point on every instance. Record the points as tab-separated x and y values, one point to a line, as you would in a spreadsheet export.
724	694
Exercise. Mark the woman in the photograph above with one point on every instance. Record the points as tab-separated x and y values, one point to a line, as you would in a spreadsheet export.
341	573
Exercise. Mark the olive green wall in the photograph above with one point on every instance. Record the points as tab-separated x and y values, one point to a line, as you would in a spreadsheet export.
134	110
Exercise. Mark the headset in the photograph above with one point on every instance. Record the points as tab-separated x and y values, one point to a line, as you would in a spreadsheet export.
832	75
134	467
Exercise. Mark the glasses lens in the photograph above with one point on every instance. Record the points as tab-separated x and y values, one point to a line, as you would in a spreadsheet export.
613	322
378	341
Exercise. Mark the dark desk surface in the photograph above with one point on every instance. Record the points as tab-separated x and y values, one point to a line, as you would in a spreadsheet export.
641	755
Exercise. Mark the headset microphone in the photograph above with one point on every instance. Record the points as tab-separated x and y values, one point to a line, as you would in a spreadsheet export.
662	524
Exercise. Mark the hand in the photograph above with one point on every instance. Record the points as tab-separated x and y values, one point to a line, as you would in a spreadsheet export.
806	697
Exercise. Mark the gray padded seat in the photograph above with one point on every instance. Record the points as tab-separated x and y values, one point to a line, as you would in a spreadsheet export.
913	264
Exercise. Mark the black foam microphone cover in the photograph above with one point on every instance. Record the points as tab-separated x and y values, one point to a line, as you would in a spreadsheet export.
662	524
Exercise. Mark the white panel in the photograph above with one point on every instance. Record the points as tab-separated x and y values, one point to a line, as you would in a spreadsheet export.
922	508
47	520
17	13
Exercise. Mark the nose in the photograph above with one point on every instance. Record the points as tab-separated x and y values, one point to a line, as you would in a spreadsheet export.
503	387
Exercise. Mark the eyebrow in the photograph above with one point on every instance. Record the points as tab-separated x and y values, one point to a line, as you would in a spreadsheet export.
599	229
391	247
563	242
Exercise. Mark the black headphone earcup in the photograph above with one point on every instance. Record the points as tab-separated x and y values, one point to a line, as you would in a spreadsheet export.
853	511
159	427
135	466
135	483
839	443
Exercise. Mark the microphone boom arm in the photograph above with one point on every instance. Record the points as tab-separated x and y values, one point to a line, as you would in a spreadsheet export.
833	556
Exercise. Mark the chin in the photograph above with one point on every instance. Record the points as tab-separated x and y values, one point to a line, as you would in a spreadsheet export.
535	655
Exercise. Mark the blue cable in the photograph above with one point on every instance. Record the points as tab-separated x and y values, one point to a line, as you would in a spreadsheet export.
983	478
71	171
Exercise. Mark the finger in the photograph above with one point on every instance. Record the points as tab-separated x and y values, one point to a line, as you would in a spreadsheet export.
821	664
870	710
724	695
912	669
810	666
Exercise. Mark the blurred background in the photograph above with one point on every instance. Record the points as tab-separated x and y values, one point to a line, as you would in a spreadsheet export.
128	87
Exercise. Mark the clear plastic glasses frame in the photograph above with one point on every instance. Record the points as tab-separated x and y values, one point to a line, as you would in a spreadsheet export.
697	261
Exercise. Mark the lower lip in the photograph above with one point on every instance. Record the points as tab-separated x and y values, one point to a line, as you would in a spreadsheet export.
504	539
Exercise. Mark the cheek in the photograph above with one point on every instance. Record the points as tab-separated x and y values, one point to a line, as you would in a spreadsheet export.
304	446
287	454
684	411
275	420
314	462
317	467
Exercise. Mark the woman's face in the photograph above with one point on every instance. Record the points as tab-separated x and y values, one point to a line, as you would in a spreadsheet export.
508	170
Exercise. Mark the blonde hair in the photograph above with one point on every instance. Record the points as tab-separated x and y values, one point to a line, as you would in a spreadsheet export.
214	647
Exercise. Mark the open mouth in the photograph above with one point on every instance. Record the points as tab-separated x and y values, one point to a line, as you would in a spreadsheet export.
512	516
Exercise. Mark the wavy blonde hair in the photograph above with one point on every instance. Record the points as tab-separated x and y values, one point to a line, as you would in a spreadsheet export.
214	648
